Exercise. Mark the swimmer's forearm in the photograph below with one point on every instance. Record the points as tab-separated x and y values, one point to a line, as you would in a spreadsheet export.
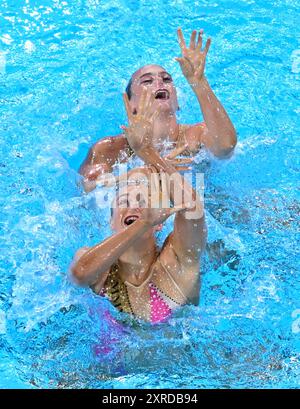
99	258
189	227
221	135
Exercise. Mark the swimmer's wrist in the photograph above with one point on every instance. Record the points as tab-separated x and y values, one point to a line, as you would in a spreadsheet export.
199	84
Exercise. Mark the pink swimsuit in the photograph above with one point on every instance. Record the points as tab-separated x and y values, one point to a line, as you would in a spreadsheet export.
160	310
157	288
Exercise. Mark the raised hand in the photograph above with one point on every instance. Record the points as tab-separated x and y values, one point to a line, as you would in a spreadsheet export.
179	164
192	61
159	209
140	129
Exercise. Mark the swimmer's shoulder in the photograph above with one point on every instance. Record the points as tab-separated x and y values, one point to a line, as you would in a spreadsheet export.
104	151
109	146
109	143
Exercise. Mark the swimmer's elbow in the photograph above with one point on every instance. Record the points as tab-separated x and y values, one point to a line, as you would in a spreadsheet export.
91	175
88	185
222	146
226	148
78	275
77	269
224	151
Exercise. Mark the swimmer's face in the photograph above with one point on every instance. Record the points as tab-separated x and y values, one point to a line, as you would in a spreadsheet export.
158	81
127	208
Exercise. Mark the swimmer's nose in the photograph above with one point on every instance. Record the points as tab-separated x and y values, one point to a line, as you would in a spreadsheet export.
159	82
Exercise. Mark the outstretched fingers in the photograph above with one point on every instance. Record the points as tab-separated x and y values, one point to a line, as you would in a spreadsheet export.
142	102
199	41
207	45
179	164
181	168
165	190
177	151
149	103
184	206
153	116
181	161
127	107
145	104
193	40
181	40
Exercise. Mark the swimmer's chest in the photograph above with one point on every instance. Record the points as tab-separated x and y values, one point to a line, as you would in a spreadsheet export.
159	288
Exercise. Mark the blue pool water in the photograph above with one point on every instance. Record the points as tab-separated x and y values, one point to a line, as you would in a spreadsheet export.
63	66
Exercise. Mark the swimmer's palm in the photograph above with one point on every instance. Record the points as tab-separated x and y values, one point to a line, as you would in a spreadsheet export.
140	130
159	210
139	134
193	58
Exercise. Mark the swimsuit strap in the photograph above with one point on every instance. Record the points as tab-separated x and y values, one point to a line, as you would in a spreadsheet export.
180	297
116	290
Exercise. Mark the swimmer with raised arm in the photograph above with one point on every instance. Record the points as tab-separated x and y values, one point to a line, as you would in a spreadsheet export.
127	267
216	133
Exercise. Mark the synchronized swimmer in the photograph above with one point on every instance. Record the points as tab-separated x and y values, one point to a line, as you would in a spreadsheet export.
216	133
139	278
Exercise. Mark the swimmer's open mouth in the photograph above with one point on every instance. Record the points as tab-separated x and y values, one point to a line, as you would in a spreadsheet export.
130	219
162	94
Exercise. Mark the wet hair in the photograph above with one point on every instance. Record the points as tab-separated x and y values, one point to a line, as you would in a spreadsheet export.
128	88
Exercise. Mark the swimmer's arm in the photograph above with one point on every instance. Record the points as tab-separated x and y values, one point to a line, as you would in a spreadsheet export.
93	265
182	188
100	160
187	241
188	238
218	134
189	228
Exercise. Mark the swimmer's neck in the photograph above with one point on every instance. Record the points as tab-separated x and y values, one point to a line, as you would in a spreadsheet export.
165	128
135	263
